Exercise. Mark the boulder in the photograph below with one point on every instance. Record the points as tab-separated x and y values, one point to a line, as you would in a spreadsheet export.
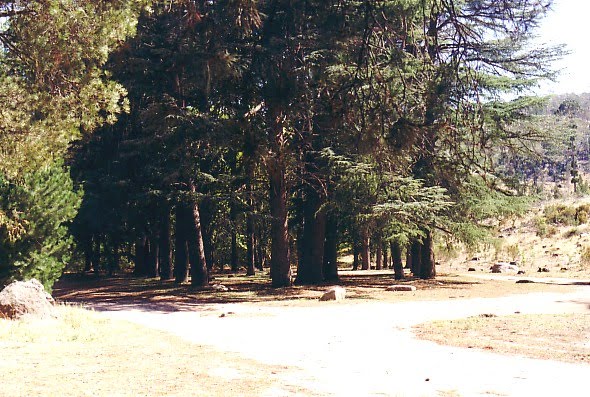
334	294
26	299
503	267
404	288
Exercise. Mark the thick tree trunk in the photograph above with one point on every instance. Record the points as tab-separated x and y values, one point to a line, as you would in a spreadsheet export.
280	267
311	264
365	251
181	257
165	253
427	264
396	258
331	249
199	269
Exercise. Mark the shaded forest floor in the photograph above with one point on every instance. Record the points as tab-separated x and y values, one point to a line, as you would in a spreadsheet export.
120	292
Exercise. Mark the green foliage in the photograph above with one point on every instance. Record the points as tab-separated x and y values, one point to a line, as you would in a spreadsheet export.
543	229
45	202
565	215
52	84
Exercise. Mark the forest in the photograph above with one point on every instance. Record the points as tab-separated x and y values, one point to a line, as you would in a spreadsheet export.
178	138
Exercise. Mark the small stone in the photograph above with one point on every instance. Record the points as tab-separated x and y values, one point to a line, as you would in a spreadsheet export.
521	272
524	281
220	288
403	288
471	269
334	294
543	270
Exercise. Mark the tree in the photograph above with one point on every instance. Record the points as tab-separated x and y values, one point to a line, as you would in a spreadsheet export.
52	89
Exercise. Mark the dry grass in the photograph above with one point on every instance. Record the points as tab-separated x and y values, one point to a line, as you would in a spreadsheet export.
81	353
564	337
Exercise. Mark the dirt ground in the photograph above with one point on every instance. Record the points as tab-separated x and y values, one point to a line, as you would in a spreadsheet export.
363	346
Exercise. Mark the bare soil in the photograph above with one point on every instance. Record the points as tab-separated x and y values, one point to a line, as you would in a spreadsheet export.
365	345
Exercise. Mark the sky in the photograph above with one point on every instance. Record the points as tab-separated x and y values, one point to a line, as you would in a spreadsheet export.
568	23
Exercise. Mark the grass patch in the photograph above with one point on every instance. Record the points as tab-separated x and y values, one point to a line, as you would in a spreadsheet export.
82	353
564	337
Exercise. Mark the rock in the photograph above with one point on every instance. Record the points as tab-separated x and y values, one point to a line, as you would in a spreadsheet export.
220	287
471	269
475	258
405	288
521	272
26	299
503	267
524	281
334	294
543	270
564	269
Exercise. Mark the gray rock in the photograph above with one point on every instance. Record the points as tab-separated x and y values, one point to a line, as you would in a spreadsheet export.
26	299
220	287
334	294
404	288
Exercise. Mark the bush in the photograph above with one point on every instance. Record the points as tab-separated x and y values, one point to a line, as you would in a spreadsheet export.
563	215
46	202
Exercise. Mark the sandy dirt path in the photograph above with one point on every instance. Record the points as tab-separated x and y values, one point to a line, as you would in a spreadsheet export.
368	349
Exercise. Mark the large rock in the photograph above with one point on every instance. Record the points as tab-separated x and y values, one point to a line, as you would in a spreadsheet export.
504	267
25	299
334	294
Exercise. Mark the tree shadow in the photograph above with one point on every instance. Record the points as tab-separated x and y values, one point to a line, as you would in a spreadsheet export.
125	292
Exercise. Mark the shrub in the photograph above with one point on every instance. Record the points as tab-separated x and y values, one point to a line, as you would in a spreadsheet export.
46	201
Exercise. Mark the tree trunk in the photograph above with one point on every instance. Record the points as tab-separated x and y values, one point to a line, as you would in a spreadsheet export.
385	255
199	269
365	251
396	258
280	268
88	254
331	249
233	260
97	254
379	256
427	264
250	248
152	268
311	265
356	253
165	253
206	213
181	257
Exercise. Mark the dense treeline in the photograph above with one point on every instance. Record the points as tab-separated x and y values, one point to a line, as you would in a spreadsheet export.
271	133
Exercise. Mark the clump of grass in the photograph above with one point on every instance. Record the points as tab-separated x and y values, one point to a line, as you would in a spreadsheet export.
585	256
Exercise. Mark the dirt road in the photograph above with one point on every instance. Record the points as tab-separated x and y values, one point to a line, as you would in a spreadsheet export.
367	348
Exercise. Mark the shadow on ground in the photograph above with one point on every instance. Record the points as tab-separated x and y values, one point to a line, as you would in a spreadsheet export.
125	291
